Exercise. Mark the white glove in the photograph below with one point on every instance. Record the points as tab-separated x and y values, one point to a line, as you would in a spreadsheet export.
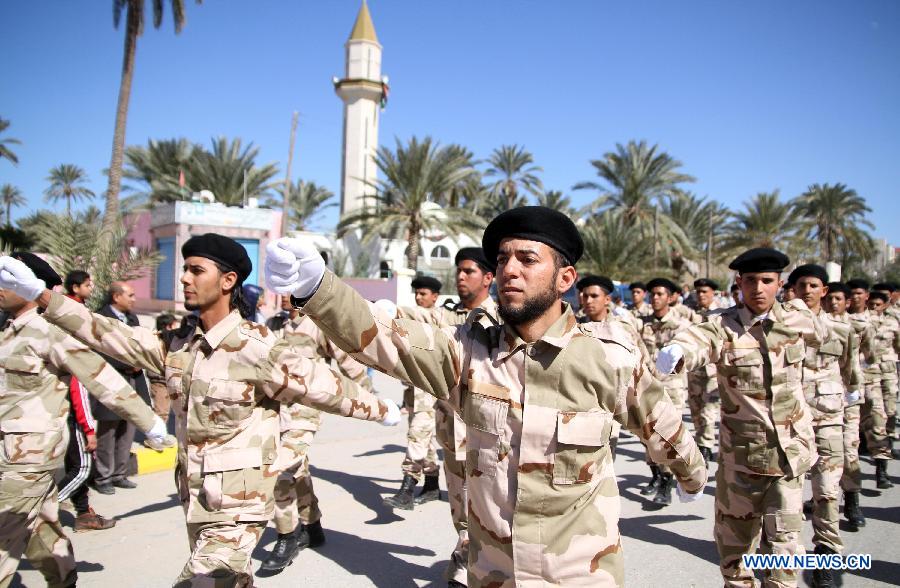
619	311
158	432
852	396
293	266
668	358
387	306
18	278
393	416
684	496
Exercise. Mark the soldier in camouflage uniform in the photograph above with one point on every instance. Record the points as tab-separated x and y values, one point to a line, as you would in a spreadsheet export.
658	330
420	460
702	384
766	439
887	348
538	394
298	519
36	362
851	479
831	375
227	378
639	306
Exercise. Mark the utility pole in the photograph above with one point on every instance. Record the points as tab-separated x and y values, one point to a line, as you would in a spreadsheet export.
709	242
287	176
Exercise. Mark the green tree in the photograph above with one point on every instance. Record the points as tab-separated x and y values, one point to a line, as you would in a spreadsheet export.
67	182
306	201
225	169
134	27
766	221
159	166
515	171
610	248
11	196
835	217
693	215
414	176
557	201
5	151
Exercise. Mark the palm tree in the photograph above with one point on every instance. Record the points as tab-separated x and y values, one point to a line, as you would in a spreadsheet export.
227	168
637	179
414	177
515	169
766	221
160	166
610	248
702	221
5	151
66	181
835	215
557	201
11	196
306	200
134	27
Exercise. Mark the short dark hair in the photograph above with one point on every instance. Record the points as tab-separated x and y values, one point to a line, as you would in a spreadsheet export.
735	287
164	320
75	278
238	300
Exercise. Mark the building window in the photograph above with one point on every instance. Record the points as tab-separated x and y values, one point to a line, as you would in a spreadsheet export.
384	270
165	271
440	252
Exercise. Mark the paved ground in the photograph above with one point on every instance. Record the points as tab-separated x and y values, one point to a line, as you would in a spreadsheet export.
357	463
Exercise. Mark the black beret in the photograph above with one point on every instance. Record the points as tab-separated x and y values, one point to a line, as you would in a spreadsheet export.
222	249
534	223
705	283
858	283
476	254
601	281
808	270
41	268
883	286
839	287
428	283
664	283
878	295
760	259
640	285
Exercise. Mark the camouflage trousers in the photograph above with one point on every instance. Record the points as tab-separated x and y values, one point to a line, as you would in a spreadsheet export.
421	444
295	499
457	493
754	510
889	393
851	479
29	525
677	394
873	420
826	478
704	403
220	556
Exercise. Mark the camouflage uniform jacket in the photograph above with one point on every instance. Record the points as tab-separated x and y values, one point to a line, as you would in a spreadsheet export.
709	370
305	337
831	369
226	386
644	310
887	341
543	501
865	344
686	312
766	426
36	359
659	332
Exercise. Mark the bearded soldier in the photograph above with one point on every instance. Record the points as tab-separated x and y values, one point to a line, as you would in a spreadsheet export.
538	395
36	361
227	378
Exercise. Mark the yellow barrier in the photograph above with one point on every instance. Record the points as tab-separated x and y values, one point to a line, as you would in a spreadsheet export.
149	461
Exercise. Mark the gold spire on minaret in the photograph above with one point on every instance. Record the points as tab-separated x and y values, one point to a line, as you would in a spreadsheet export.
363	29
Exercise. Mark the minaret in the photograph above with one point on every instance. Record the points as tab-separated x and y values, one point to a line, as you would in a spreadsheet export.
362	90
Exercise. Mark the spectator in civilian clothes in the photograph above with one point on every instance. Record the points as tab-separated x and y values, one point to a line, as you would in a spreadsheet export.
79	285
114	434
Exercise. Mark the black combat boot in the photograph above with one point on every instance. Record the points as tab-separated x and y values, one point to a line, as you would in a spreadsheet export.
650	488
310	535
283	553
852	512
403	499
823	578
882	481
707	454
808	506
664	493
430	491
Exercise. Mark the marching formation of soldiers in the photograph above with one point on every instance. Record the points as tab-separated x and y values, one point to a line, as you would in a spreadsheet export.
525	396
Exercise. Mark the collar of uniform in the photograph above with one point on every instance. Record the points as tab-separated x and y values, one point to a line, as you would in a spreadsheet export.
217	334
18	323
558	335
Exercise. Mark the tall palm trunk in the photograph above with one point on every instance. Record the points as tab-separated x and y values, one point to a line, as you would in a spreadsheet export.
412	238
132	30
69	205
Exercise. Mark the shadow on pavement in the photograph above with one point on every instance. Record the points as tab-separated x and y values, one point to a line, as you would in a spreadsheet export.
888	515
376	560
364	490
171	501
887	572
386	449
646	529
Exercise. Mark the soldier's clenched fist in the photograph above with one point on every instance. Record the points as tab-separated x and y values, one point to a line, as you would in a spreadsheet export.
293	266
19	279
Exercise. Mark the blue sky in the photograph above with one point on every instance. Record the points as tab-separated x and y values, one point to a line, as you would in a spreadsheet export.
750	96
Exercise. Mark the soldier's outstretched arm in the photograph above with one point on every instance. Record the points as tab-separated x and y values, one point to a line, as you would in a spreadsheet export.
851	372
99	378
700	345
650	414
347	365
137	346
290	377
